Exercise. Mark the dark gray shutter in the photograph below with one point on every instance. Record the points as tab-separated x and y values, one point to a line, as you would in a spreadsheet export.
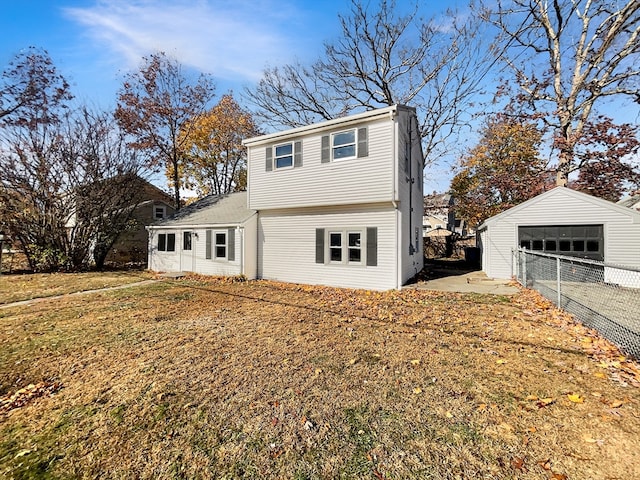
372	246
297	154
319	245
269	155
207	245
363	145
231	244
326	150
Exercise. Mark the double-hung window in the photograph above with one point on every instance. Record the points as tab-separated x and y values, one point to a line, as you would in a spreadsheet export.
335	247
283	156
159	212
354	247
346	246
343	145
220	247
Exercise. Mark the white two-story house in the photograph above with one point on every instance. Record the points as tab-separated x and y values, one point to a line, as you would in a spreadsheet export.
340	202
336	203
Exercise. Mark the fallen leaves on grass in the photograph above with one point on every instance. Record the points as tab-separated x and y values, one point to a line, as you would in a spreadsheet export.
609	356
575	398
27	394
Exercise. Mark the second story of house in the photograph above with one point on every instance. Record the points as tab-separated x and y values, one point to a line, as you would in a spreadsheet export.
369	157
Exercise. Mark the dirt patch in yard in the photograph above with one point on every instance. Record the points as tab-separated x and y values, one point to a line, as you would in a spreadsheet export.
205	378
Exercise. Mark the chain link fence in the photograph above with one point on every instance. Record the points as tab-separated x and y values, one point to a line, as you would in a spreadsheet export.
602	296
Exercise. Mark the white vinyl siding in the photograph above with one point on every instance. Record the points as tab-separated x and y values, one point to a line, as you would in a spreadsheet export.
411	198
560	207
355	181
195	260
288	239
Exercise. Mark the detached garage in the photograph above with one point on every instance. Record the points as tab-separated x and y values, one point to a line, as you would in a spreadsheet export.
561	222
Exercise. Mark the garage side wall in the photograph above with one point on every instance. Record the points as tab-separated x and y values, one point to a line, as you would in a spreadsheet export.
621	230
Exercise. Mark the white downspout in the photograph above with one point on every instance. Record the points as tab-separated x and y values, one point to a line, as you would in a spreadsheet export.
394	190
241	233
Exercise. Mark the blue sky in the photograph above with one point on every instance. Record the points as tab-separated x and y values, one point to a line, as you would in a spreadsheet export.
94	42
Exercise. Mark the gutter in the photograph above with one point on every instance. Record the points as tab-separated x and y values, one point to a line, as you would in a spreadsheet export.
319	127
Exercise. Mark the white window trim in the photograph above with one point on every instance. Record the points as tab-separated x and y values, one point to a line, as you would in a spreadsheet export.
275	156
355	145
344	246
166	243
164	212
215	246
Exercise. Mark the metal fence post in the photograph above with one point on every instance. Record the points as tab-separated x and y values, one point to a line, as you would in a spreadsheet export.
558	282
524	268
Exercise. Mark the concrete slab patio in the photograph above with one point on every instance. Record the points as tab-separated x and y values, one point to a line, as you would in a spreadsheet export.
457	276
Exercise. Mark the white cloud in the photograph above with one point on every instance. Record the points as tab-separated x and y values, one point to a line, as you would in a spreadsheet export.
233	40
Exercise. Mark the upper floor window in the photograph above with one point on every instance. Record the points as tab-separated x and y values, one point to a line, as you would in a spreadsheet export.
159	212
343	145
283	157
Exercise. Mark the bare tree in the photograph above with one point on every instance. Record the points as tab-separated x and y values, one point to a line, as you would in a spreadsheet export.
31	83
65	175
384	58
104	187
568	55
155	104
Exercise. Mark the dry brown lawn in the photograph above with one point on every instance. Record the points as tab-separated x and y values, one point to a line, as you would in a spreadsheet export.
210	378
16	288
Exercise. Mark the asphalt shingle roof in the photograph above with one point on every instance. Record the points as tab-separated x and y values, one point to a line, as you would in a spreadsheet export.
211	210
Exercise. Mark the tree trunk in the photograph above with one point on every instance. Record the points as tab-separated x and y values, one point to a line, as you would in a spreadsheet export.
564	163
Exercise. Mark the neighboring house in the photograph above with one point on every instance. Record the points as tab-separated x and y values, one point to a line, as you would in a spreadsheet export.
338	203
213	236
439	213
564	222
131	245
147	203
632	202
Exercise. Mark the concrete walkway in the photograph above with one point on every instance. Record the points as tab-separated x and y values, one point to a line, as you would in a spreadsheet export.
466	282
73	294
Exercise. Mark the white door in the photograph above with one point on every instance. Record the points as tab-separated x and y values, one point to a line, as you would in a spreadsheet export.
187	251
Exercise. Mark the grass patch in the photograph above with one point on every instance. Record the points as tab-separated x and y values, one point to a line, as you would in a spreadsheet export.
206	378
16	288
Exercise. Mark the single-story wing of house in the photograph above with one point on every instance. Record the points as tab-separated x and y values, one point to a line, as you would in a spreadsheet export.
216	235
565	222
